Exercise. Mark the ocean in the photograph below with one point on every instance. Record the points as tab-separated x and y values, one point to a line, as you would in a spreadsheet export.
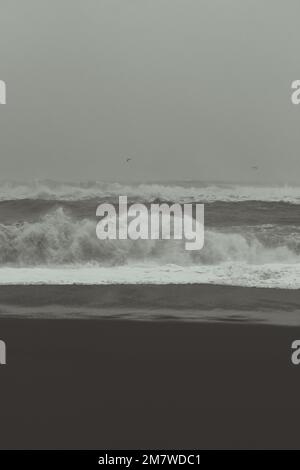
47	236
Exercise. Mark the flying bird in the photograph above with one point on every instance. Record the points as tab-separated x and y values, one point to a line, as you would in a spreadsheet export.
254	167
128	159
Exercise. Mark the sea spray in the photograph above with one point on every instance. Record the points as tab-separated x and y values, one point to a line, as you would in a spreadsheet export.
57	239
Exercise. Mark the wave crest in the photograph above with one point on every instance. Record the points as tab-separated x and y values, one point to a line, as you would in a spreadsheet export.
197	192
59	239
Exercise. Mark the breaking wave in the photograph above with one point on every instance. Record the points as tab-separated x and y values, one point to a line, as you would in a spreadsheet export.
59	239
189	192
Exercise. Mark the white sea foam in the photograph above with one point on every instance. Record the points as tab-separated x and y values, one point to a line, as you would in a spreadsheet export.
195	192
234	274
59	239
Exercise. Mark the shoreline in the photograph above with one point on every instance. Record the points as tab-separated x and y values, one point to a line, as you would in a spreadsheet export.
204	303
186	302
207	296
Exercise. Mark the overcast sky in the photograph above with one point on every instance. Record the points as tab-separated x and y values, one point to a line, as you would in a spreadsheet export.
190	89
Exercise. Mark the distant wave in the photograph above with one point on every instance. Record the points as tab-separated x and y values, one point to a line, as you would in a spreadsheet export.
59	239
197	192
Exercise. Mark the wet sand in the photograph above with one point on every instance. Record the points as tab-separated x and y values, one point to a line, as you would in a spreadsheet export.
131	384
141	296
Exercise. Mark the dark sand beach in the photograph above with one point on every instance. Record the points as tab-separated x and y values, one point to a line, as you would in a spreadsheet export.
113	383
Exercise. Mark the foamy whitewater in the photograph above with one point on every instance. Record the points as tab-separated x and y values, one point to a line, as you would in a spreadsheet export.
47	236
177	192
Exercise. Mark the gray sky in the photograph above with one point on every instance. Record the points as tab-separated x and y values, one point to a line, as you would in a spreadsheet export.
190	89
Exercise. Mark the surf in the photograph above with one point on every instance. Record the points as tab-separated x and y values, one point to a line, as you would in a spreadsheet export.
147	192
57	238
